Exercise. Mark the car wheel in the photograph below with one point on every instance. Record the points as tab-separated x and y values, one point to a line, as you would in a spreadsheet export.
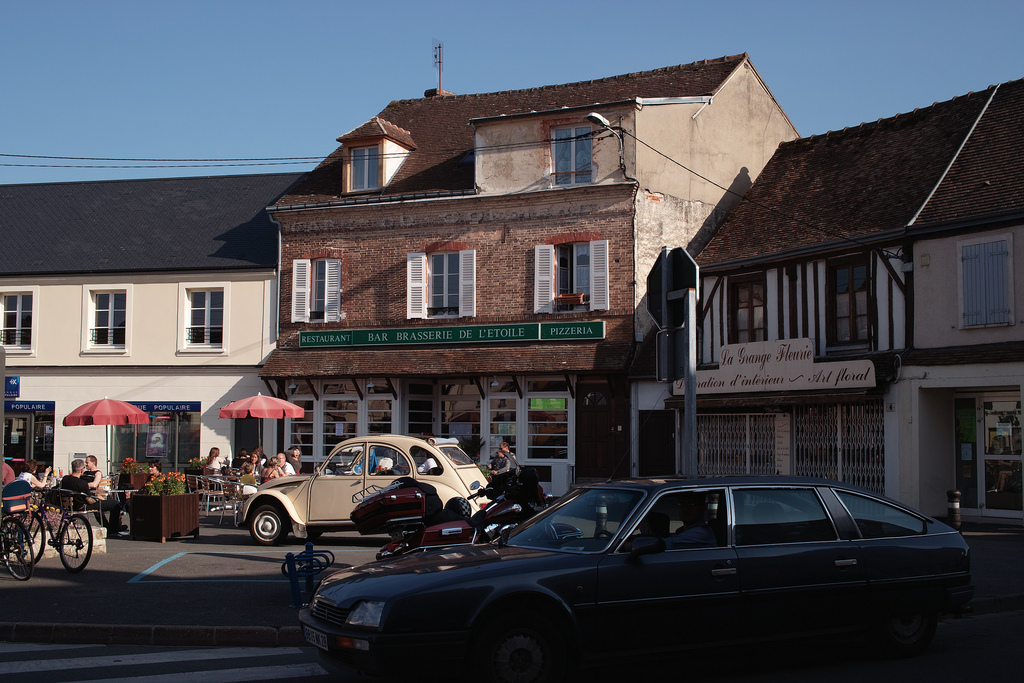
266	526
905	635
520	647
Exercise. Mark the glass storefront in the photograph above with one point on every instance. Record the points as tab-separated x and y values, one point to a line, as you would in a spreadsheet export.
172	436
988	448
28	431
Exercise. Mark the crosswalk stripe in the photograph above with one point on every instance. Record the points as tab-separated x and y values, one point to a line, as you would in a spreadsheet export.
268	673
144	658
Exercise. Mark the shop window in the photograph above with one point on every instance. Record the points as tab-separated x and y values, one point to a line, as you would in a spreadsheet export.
316	290
460	411
502	423
986	278
421	409
379	407
170	437
547	424
571	155
340	419
300	430
441	284
571	277
746	310
849	298
16	311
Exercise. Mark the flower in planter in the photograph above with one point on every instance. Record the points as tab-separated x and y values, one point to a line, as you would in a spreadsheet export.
170	484
197	463
129	466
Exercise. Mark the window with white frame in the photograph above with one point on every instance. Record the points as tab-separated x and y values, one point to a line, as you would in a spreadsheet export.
17	320
364	169
571	277
986	279
316	290
109	319
206	318
441	284
571	155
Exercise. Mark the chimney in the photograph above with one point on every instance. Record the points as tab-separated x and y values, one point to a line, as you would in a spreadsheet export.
436	92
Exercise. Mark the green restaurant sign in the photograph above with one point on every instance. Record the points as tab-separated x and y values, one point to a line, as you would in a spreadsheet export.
471	334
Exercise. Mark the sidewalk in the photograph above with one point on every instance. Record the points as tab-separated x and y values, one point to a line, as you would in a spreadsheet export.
222	589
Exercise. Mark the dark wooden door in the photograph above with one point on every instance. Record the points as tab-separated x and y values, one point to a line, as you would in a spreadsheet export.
595	445
657	443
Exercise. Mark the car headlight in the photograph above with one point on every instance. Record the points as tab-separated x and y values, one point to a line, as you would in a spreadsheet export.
366	613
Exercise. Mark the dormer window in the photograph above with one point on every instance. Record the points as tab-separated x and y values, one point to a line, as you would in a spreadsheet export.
364	169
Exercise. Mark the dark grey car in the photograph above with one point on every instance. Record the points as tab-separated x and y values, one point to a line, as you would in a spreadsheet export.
629	568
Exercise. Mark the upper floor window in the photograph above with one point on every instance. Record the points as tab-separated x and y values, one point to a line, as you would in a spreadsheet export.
849	288
364	169
571	277
570	154
206	319
17	320
110	317
986	276
316	290
442	284
746	310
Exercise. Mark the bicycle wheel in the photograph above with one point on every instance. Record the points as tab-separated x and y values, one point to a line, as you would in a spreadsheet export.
75	546
17	549
37	530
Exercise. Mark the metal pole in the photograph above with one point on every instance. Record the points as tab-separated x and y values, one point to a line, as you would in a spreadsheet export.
690	380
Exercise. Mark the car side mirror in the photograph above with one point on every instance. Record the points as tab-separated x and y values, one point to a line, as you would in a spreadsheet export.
646	545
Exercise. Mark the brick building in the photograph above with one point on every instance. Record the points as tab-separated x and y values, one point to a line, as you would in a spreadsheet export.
472	266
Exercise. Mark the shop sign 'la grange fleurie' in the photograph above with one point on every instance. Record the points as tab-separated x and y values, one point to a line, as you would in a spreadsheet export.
783	365
471	334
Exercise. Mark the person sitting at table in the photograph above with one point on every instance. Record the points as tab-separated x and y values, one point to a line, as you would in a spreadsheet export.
286	467
248	479
256	460
92	474
29	475
82	496
239	459
272	470
215	461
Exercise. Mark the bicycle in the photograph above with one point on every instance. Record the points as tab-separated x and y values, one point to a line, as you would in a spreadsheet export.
16	548
50	521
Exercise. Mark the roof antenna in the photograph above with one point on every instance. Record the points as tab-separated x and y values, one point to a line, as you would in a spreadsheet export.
438	62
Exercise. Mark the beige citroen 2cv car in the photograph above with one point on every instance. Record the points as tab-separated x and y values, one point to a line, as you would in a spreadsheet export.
309	505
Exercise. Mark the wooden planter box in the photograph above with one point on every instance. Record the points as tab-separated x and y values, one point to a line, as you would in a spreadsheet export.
163	517
572	299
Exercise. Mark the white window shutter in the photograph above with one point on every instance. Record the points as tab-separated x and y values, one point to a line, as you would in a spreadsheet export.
332	303
467	283
416	285
544	278
599	299
300	290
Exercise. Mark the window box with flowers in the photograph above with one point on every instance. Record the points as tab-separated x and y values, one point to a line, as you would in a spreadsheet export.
195	466
163	509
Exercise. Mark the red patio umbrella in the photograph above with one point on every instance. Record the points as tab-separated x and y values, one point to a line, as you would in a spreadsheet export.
262	406
106	411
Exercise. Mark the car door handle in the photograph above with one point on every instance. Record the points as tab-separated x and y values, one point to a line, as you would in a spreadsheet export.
716	573
846	563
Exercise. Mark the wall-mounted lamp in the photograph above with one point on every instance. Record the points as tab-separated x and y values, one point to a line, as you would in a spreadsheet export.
292	387
370	384
495	383
599	120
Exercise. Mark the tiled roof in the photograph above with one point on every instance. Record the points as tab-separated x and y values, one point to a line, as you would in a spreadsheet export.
377	127
986	176
217	222
468	361
845	185
444	136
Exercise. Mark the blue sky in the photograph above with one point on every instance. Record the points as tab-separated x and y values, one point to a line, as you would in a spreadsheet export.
218	79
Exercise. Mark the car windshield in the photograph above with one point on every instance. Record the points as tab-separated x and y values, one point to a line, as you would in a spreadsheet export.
457	455
585	521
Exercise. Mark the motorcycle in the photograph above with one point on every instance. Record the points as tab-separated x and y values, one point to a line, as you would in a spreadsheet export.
412	513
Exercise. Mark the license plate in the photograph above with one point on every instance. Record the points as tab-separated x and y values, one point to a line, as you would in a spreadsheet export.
315	637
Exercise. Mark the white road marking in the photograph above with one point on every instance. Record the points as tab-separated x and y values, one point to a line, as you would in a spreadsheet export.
7	668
